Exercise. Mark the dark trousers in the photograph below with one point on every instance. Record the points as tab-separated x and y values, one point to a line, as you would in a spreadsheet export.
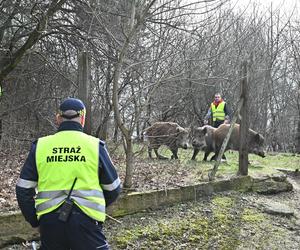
217	123
80	232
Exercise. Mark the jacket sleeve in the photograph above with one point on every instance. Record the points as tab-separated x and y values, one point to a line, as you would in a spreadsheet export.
226	111
208	114
25	188
109	179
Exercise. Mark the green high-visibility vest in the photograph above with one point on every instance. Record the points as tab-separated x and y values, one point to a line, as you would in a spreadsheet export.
62	157
218	112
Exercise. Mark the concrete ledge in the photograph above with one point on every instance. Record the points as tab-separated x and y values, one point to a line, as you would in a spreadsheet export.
135	202
14	229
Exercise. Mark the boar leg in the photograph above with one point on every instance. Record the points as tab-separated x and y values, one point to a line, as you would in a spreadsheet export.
150	152
196	151
217	150
214	157
206	155
174	151
224	157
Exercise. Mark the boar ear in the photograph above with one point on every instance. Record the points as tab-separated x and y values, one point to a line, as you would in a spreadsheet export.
258	137
261	138
204	130
179	129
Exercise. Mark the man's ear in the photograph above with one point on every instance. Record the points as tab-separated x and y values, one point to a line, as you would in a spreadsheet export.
58	119
82	120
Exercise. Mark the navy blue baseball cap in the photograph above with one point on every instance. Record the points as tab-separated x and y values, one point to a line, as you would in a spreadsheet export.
72	104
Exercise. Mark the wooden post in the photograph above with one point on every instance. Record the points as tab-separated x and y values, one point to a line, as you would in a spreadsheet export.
244	126
84	72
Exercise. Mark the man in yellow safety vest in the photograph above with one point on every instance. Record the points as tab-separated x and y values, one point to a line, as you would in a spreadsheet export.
66	183
218	112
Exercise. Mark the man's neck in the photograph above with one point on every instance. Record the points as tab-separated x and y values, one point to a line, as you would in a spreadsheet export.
70	125
216	103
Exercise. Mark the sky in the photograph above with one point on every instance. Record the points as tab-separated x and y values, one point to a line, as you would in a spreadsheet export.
283	5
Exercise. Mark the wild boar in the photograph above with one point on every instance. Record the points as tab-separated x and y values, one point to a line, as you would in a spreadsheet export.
169	134
255	140
203	139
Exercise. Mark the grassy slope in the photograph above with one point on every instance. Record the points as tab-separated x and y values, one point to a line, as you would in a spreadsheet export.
226	221
220	222
197	171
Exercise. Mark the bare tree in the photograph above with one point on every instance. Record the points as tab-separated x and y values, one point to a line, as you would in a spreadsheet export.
135	22
20	38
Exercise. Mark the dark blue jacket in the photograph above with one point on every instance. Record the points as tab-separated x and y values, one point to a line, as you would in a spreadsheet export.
25	189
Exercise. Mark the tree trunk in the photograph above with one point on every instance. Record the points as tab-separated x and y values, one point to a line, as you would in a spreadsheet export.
102	130
129	163
84	72
244	127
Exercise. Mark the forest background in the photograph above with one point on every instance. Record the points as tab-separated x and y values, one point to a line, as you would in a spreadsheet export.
149	61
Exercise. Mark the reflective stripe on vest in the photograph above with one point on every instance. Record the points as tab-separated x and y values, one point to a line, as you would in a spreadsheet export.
62	157
80	193
78	200
218	112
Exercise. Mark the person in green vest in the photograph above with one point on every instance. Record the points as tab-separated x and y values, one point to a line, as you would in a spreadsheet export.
218	112
66	183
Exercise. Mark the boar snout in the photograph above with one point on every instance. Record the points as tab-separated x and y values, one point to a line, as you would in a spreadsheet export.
260	153
184	146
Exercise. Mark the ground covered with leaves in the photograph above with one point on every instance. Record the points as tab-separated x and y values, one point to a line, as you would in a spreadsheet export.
223	221
10	165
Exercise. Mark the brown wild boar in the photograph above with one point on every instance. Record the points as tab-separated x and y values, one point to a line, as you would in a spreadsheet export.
255	140
169	134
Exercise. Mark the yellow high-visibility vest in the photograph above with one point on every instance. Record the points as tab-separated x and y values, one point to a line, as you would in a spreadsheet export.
62	157
218	112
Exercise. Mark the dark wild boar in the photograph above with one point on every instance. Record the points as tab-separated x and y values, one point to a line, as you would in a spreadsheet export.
169	134
203	139
255	140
